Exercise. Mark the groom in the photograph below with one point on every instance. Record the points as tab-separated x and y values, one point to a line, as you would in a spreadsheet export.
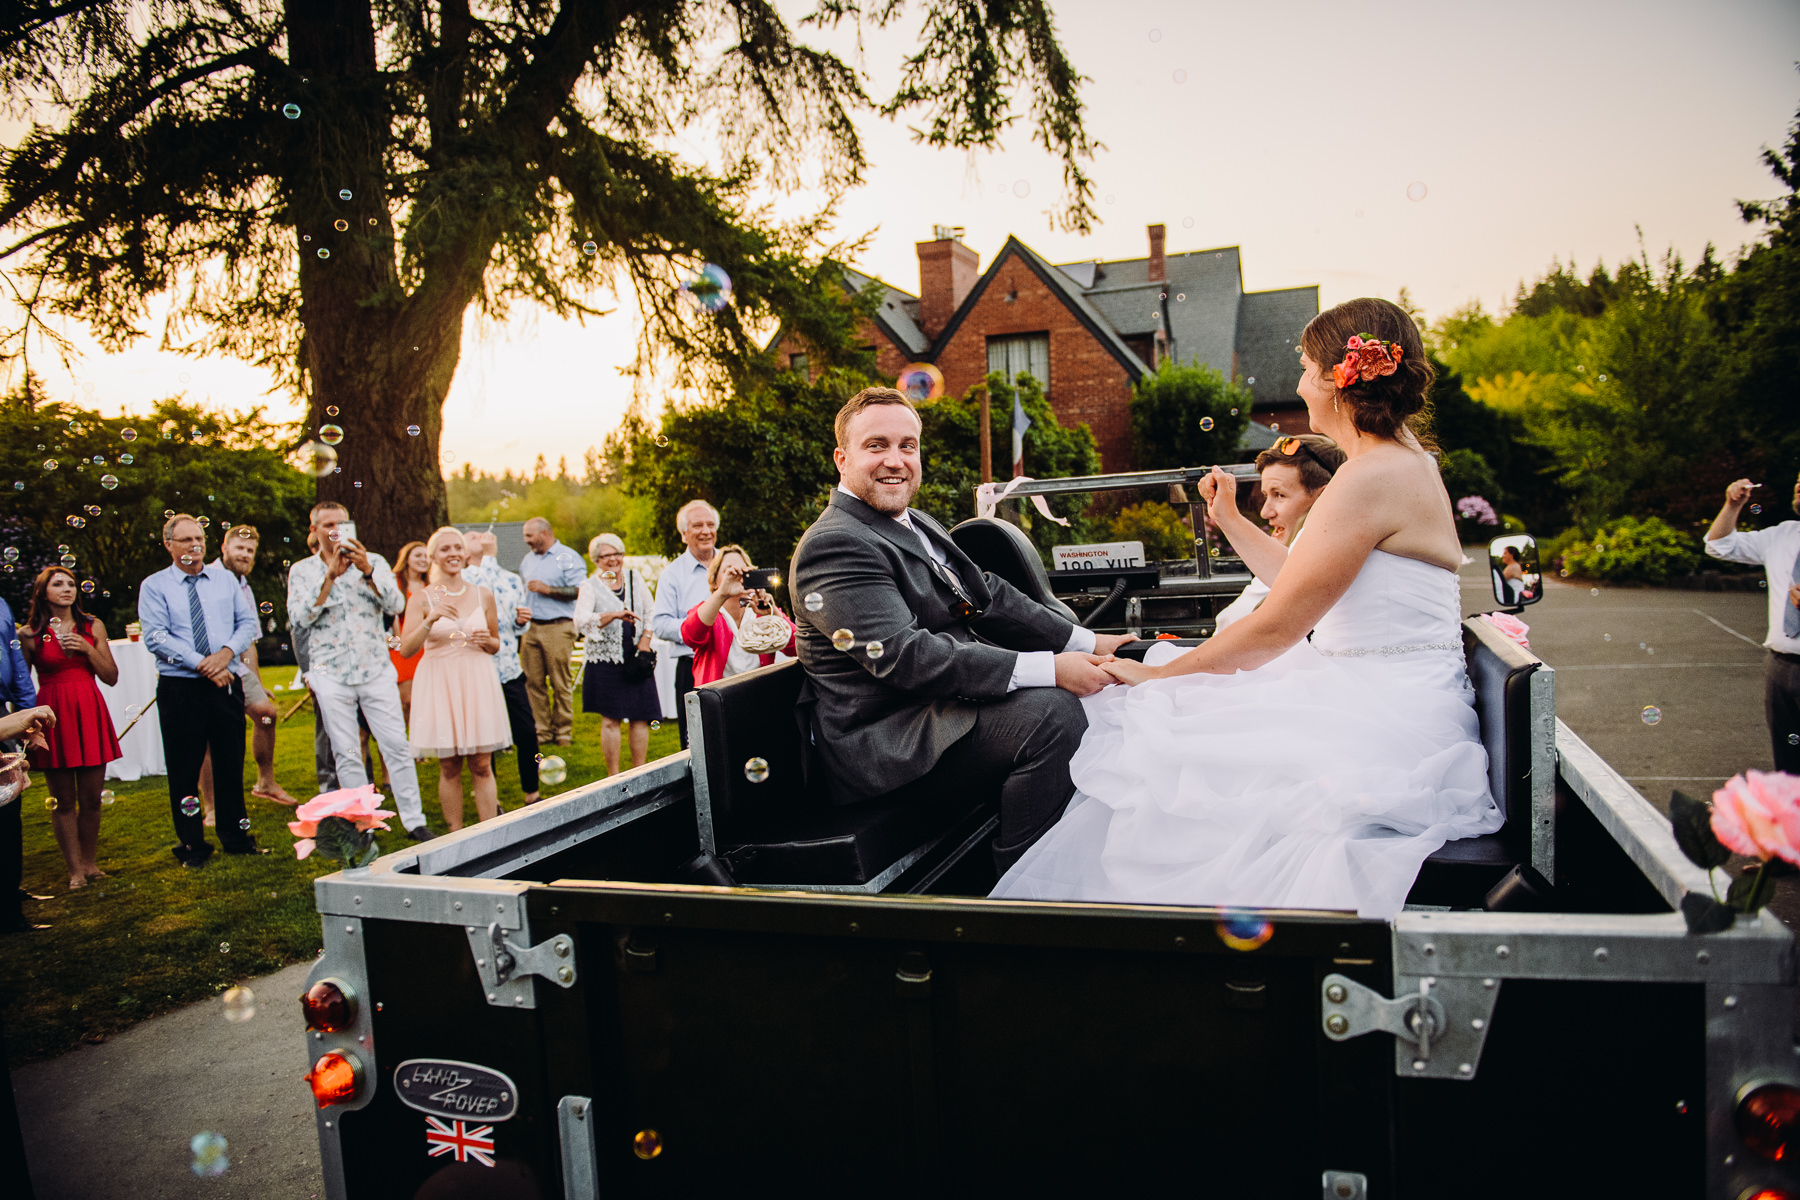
945	671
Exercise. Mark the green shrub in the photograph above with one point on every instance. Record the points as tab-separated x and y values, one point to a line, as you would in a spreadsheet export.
1633	551
1160	527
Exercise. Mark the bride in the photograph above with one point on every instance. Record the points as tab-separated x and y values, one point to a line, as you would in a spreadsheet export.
1261	771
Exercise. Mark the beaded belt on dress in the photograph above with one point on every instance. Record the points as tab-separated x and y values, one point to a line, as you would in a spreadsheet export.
1390	649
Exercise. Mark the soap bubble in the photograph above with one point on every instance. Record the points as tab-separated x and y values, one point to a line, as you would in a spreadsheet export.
1234	412
92	510
10	554
1251	381
324	253
1022	189
814	602
244	824
240	1004
343	193
291	111
1794	739
204	522
655	725
1206	423
756	770
108	796
1593	591
109	482
49	464
1180	296
126	459
412	431
553	770
331	435
589	248
331	410
209	1148
75	522
875	649
167	513
1755	510
341	225
709	291
129	435
921	382
190	806
843	639
1156	35
224	947
1652	714
1606	637
266	607
1415	190
1181	77
88	586
317	459
1243	930
67	560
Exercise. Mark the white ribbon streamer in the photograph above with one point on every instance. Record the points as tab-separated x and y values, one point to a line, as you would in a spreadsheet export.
989	495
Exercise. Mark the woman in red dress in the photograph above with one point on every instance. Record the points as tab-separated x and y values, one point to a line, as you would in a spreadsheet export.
70	651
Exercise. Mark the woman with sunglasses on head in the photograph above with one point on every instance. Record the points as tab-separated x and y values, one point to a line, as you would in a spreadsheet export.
1294	471
72	657
1252	771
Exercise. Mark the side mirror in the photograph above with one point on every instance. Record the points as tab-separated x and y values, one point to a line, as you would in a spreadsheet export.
1513	567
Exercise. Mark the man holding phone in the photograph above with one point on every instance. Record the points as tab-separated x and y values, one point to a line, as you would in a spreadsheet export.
339	596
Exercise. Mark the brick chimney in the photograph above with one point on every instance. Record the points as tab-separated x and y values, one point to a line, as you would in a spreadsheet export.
1159	270
947	270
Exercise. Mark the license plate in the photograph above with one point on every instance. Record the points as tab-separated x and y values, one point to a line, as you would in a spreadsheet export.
1098	556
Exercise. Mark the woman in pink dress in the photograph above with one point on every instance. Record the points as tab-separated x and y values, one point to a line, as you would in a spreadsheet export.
72	657
458	710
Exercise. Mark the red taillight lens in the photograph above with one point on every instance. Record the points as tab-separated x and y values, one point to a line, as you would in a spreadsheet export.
1768	1116
334	1078
329	1005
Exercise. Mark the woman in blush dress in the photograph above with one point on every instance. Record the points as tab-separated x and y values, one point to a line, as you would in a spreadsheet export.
1258	770
458	711
72	657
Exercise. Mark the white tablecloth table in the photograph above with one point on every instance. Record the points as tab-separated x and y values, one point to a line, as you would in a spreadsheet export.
142	747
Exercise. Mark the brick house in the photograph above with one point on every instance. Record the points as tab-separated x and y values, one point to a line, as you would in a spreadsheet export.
1088	330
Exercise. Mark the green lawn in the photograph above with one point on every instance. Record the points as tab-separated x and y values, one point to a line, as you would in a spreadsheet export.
156	935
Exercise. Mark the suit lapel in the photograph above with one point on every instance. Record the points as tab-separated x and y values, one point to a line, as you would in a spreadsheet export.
898	535
883	525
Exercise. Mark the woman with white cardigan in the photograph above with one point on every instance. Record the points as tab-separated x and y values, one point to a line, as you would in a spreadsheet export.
610	613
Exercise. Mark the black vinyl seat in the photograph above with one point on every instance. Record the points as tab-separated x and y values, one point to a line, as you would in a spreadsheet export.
1003	548
764	812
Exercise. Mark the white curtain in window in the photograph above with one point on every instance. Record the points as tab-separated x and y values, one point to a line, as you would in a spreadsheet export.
1027	352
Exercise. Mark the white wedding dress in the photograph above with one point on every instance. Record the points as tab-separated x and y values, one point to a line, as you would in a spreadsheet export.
1322	779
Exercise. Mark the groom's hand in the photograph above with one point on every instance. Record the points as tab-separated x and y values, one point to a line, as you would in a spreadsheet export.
1081	673
1109	643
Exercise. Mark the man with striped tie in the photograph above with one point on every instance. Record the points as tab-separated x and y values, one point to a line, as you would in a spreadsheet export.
196	620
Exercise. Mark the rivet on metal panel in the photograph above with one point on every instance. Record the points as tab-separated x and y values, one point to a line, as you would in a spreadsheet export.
578	1111
561	946
1418	1064
1502	951
358	899
1478	1023
1180	941
1731	1002
349	929
363	1038
1337	1024
481	962
1488	983
470	928
565	974
668	916
959	931
1336	993
499	908
1600	954
1703	958
490	997
519	1000
406	904
1428	949
457	906
1465	1069
328	1124
854	927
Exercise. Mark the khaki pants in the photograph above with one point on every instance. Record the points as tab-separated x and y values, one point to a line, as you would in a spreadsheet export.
544	652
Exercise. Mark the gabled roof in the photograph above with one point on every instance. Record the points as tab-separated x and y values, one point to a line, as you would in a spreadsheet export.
1268	337
1065	289
896	317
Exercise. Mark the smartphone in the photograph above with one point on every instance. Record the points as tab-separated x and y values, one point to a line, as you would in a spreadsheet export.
345	533
763	580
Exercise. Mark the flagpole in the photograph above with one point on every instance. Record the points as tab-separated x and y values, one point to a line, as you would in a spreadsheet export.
987	437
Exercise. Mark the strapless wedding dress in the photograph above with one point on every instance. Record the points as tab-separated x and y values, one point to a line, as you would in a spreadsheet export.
1323	779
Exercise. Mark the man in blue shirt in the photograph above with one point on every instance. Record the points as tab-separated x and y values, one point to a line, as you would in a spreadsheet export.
196	620
553	574
682	585
16	695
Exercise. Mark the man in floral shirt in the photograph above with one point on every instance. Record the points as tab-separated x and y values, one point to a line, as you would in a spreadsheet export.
509	602
340	596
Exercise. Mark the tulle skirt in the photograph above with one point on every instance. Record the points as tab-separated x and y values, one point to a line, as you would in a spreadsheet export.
1312	782
457	705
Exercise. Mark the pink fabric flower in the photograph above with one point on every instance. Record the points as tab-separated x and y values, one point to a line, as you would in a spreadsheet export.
1509	625
1758	814
360	806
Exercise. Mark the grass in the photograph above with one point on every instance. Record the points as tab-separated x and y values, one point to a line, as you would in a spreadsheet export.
155	935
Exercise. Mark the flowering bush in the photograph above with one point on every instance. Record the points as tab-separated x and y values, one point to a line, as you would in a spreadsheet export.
1477	510
340	825
1756	814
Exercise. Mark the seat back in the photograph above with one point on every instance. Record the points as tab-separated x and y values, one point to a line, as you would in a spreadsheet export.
1515	703
1001	547
732	722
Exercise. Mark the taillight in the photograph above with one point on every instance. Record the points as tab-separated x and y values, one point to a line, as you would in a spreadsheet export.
329	1006
334	1078
1767	1194
1768	1116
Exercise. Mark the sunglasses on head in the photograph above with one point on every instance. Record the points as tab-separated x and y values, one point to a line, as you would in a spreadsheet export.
1291	446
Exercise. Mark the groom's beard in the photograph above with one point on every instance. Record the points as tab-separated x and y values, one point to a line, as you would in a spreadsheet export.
888	501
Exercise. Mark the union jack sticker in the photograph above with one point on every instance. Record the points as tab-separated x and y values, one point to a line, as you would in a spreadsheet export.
468	1143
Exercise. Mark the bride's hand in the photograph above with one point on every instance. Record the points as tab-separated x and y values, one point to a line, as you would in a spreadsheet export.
1128	671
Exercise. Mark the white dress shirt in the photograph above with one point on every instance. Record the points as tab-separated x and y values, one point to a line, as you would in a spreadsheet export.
1035	668
1775	549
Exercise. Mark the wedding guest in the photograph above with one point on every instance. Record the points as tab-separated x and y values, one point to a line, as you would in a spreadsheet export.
72	656
414	573
512	616
324	761
17	694
1294	471
553	575
609	614
460	712
237	554
682	585
341	594
196	621
715	629
1777	550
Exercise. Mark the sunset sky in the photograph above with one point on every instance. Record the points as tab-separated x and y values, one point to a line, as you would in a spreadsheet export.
1292	129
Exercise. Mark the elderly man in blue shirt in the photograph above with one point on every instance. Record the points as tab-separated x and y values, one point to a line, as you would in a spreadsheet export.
196	620
682	585
553	575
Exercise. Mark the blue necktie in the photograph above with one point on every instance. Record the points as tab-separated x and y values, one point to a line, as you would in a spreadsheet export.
1790	616
197	618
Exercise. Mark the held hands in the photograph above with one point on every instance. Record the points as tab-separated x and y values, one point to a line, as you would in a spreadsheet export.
1083	674
1124	670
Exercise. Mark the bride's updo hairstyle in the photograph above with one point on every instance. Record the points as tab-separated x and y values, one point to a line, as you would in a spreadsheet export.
1383	406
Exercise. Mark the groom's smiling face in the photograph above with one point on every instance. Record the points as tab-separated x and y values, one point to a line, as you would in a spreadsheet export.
880	464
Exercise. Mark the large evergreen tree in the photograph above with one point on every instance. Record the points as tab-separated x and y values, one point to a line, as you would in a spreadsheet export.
328	186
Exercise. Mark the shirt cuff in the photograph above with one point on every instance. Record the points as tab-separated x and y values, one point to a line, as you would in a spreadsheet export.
1035	668
1081	639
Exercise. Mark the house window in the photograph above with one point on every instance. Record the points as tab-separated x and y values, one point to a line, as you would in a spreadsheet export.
1027	352
798	365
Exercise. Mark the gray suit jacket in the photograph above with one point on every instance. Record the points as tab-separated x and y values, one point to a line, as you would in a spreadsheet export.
881	722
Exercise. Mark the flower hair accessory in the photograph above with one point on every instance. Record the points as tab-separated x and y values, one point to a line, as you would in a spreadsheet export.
1366	357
